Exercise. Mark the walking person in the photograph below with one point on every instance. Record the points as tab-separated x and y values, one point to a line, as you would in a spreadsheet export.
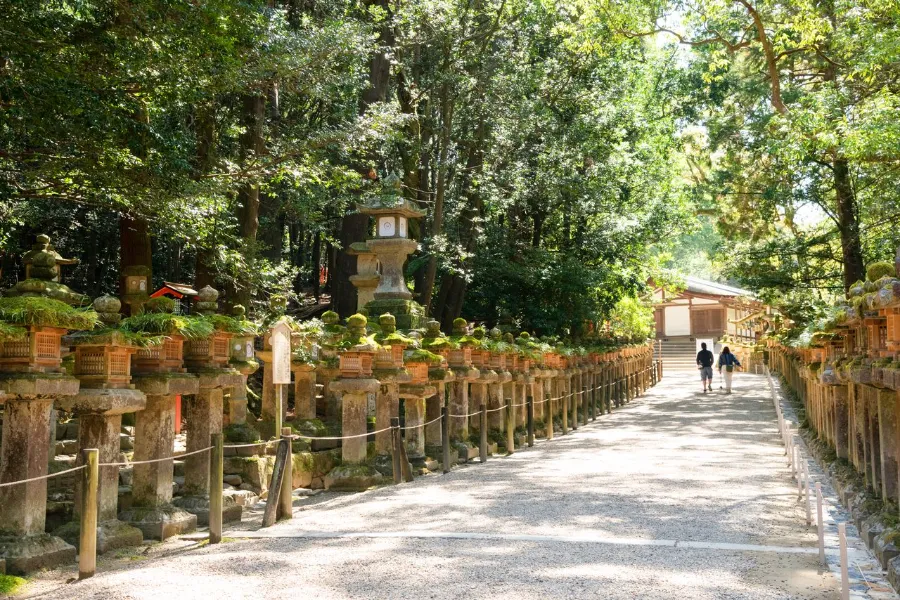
729	361
705	361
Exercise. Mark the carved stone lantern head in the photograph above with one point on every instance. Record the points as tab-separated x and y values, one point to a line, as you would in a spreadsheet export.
357	359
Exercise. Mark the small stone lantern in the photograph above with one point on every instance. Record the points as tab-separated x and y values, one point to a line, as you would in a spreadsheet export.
104	360
390	354
356	362
211	352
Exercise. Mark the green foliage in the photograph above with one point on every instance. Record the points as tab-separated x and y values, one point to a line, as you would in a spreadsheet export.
10	332
420	355
45	312
168	324
231	324
631	320
160	304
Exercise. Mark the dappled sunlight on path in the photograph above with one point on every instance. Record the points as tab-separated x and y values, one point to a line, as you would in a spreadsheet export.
634	505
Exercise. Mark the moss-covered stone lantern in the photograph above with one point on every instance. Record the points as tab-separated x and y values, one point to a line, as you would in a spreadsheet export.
36	312
391	245
358	352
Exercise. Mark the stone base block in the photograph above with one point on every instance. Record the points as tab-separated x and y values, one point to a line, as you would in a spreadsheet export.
199	506
111	535
885	548
465	451
161	522
24	554
353	478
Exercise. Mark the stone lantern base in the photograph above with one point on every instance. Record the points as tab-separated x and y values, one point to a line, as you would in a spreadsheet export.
409	314
26	430
355	474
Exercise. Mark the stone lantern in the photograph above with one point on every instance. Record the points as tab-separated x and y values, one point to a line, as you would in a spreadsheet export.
354	387
159	373
32	380
207	358
102	365
366	278
390	372
391	245
135	288
243	360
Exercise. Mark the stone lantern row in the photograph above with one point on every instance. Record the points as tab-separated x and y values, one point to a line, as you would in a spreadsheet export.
114	373
846	373
391	375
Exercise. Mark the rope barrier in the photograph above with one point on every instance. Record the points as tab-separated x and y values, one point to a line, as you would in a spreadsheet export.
465	416
255	444
48	476
343	437
423	424
155	460
496	409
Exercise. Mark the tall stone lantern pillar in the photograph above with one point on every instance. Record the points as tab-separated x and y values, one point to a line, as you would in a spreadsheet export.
366	279
391	245
39	309
103	366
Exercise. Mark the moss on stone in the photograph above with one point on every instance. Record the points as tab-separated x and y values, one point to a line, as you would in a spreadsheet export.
240	433
10	584
877	270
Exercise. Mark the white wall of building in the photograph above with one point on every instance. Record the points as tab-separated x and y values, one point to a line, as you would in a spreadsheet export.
678	320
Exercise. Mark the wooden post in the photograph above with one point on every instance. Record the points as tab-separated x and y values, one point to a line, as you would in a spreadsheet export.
573	406
820	523
483	441
90	478
565	414
445	438
396	442
216	473
510	427
274	498
285	500
548	417
845	574
279	407
584	405
529	407
594	394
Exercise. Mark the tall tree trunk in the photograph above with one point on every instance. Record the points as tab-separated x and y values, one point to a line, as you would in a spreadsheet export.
135	249
437	217
848	223
354	226
316	265
253	145
205	272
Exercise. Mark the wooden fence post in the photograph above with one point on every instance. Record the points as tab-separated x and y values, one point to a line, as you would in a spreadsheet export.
216	468
483	441
445	437
529	407
395	448
285	499
87	543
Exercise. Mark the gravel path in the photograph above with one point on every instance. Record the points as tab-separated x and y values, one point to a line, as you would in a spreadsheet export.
634	505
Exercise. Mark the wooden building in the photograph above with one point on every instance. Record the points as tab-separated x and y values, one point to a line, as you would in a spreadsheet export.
705	309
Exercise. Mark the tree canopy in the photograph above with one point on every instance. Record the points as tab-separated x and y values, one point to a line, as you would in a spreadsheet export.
564	150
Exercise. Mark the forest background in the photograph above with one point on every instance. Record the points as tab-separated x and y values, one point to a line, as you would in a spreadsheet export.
566	151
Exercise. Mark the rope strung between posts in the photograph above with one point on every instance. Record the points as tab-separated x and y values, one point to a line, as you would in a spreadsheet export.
155	460
48	476
423	424
490	410
466	416
343	437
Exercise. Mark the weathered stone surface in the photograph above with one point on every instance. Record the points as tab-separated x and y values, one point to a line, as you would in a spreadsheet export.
885	547
234	480
242	497
159	522
352	478
103	401
167	384
199	506
111	535
37	385
24	554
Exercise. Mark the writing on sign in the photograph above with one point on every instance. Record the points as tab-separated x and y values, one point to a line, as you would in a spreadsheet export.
281	353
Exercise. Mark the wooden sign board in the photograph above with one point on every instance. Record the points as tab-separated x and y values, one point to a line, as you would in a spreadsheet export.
281	353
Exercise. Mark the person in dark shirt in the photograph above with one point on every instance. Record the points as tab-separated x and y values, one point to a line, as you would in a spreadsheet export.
705	360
